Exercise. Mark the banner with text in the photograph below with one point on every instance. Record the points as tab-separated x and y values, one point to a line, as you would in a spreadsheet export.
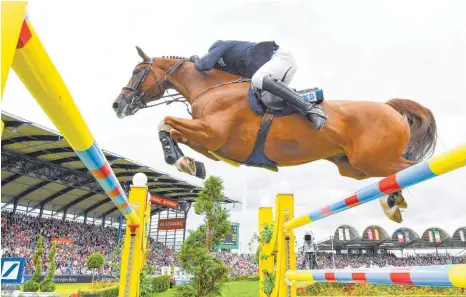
171	224
62	240
164	201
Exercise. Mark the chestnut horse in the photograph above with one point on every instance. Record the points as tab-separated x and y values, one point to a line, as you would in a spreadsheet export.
363	139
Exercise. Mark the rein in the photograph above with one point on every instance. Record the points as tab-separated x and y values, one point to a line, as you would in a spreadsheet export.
137	99
240	80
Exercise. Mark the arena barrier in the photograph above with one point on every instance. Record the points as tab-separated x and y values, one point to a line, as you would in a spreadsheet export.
23	51
282	246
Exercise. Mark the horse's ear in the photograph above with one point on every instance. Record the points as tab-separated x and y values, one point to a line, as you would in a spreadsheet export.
142	54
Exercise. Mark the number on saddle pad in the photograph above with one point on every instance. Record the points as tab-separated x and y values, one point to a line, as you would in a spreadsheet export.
312	95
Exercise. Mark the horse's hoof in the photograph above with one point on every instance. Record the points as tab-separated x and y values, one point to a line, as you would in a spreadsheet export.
200	170
391	211
170	159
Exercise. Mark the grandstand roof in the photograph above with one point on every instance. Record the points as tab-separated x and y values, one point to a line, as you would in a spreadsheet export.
41	170
346	237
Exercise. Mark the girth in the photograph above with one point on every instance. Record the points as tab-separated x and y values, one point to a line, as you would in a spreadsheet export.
257	157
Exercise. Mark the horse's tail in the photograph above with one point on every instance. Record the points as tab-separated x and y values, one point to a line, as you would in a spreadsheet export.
423	129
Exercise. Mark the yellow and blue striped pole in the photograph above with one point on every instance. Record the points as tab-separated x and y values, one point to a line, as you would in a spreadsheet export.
38	73
418	173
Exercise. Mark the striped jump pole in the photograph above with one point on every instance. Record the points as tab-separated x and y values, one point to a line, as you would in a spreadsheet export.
438	165
38	73
433	276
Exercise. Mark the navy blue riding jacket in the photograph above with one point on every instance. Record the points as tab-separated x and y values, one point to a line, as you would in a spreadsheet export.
242	58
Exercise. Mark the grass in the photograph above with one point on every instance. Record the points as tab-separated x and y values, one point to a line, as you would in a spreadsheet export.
233	289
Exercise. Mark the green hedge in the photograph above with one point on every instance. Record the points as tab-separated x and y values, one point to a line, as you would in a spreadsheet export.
240	278
161	283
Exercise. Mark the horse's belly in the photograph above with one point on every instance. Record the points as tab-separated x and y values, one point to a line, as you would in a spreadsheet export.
294	141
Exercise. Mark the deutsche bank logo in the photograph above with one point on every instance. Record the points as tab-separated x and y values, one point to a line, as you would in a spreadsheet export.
12	270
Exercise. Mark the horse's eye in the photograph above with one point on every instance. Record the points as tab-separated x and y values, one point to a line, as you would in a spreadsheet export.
136	71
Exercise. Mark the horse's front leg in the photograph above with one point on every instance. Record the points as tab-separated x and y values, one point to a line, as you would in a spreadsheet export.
194	133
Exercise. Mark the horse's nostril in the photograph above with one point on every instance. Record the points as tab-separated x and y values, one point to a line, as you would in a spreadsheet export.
115	105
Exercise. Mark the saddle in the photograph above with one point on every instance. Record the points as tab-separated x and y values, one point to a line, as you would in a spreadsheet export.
270	106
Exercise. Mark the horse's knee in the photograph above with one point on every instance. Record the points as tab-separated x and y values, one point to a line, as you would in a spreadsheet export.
164	127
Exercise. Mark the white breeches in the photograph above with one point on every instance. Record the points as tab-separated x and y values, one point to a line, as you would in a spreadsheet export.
278	65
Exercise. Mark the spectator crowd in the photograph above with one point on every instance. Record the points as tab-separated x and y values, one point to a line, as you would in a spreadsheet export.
77	241
326	260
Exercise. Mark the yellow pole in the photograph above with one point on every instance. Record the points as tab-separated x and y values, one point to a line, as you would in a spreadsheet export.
13	13
132	256
281	244
265	261
36	70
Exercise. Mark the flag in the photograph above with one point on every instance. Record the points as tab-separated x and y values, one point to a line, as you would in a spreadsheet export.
377	234
407	239
369	234
340	234
437	236
348	237
400	237
430	236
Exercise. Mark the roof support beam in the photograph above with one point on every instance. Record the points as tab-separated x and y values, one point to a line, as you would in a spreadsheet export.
94	206
76	201
30	190
52	197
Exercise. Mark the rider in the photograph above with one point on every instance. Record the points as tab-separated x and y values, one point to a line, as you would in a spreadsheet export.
269	67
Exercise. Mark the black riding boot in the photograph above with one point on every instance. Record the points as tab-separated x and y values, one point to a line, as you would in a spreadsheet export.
310	110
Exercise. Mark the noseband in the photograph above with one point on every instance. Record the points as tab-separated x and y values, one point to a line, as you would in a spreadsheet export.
137	101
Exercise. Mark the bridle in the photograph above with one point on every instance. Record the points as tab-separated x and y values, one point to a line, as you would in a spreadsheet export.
136	101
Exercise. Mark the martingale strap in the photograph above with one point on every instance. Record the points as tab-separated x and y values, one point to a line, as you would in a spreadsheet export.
239	80
257	157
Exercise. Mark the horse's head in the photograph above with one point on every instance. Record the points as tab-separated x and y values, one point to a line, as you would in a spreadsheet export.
147	84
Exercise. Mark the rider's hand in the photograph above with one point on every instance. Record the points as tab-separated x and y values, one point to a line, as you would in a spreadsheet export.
193	58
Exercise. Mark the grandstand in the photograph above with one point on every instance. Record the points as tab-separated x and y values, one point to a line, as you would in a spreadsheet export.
377	247
373	238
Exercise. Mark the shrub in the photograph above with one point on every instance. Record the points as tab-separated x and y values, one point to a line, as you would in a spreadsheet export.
31	286
47	286
253	277
95	260
111	292
105	292
160	283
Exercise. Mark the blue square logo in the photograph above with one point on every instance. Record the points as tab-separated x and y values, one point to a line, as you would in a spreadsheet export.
12	270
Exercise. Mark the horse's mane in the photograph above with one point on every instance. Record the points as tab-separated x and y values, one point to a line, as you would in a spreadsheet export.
174	57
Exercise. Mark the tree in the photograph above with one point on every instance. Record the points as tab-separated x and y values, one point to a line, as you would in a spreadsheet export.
47	285
95	261
209	273
32	285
